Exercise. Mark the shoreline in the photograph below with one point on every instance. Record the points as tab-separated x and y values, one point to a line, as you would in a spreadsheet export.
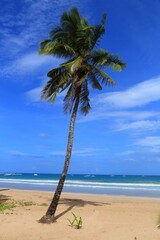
144	186
104	217
99	195
98	191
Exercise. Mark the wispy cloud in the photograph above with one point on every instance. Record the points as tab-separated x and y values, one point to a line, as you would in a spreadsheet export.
23	154
143	149
34	95
127	109
144	125
148	147
29	63
141	94
100	113
43	135
149	141
86	152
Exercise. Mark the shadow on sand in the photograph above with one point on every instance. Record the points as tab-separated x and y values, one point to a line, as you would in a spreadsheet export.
71	203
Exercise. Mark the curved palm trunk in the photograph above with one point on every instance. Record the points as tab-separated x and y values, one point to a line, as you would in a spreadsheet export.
49	217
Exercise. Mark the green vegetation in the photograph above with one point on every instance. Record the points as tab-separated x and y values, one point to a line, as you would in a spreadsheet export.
12	204
3	196
43	204
7	206
76	222
25	204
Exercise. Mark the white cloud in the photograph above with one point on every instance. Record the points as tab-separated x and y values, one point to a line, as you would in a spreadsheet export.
34	95
151	141
141	94
32	61
144	125
43	135
144	149
28	63
103	113
149	145
82	152
119	105
23	154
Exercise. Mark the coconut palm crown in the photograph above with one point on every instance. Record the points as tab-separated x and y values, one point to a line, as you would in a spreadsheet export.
76	41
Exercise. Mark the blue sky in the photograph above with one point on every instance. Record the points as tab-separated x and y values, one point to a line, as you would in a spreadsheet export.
121	135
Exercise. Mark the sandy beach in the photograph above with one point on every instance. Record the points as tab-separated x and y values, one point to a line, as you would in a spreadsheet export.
104	217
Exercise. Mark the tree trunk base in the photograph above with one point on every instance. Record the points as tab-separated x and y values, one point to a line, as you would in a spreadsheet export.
47	219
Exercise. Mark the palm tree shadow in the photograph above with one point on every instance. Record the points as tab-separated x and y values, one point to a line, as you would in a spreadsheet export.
71	203
64	212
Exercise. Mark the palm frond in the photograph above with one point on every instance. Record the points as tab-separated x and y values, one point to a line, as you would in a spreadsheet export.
74	16
65	85
103	77
56	72
59	81
73	64
84	22
59	49
99	57
94	82
102	58
70	20
115	62
68	101
104	17
54	31
84	39
70	98
84	99
50	90
82	78
99	31
52	97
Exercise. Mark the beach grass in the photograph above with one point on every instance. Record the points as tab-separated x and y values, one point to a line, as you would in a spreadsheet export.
2	196
25	203
7	206
76	222
13	204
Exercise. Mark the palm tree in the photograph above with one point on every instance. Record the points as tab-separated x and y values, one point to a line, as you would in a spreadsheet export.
76	41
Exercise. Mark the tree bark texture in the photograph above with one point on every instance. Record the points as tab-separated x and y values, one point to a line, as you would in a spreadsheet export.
49	217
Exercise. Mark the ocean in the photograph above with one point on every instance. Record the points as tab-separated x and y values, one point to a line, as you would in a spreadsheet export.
128	185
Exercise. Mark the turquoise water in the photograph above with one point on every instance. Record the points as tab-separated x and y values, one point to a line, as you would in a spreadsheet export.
99	184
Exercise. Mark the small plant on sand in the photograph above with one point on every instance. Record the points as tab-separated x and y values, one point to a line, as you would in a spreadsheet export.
6	206
76	222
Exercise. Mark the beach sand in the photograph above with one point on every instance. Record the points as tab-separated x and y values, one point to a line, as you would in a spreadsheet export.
104	217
